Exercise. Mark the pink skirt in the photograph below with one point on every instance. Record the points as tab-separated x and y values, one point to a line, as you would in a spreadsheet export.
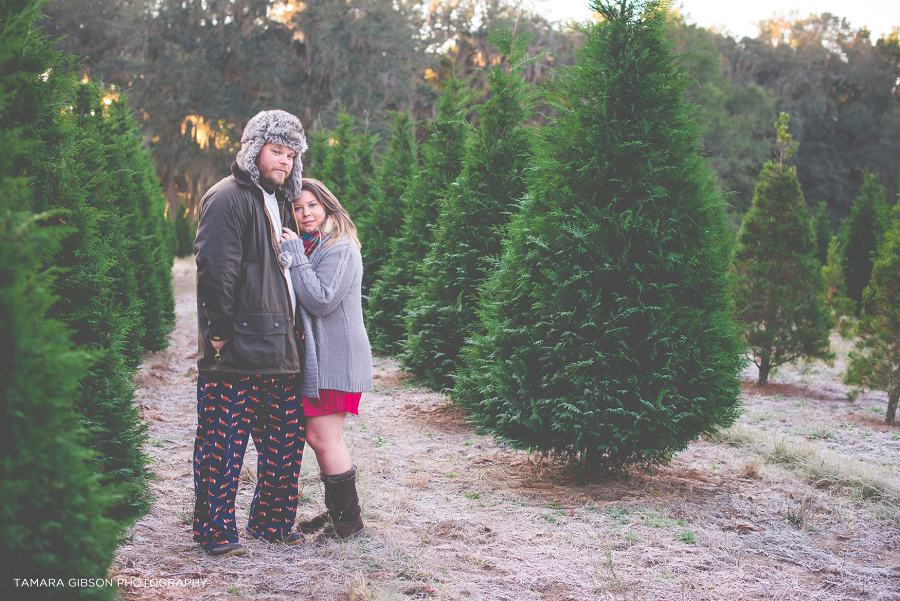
331	401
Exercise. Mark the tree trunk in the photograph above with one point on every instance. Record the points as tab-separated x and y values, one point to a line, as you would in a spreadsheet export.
764	367
891	413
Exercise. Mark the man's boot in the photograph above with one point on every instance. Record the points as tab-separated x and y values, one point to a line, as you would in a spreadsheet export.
343	502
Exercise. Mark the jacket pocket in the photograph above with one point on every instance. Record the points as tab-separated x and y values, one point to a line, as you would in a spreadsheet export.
259	339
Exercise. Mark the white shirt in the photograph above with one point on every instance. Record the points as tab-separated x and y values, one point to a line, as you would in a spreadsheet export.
275	220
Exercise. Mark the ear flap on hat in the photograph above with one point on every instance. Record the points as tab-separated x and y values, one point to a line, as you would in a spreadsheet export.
246	157
293	185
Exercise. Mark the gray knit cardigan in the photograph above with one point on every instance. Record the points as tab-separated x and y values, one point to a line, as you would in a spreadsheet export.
329	294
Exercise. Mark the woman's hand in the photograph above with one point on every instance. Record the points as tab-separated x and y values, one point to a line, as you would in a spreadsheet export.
288	234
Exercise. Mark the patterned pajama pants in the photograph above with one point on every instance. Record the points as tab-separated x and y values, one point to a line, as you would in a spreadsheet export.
229	408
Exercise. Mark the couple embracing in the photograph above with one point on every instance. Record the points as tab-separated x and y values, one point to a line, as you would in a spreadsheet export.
282	351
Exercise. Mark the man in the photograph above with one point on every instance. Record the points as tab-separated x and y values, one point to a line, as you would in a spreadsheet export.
247	357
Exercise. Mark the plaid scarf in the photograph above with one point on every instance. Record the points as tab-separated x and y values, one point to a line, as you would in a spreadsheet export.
310	242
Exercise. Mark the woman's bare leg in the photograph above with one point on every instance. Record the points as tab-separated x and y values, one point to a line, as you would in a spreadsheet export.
323	435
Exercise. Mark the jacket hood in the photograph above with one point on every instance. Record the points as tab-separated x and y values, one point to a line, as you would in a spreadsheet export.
275	127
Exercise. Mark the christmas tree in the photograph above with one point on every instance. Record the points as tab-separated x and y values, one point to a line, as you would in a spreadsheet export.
473	219
383	220
441	163
875	362
778	288
54	511
605	331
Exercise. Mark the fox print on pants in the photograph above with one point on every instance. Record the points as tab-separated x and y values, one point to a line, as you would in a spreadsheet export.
230	407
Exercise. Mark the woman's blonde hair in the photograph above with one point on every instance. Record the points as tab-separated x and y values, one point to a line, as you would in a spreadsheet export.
337	221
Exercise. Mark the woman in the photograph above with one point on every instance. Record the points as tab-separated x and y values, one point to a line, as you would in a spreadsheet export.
326	270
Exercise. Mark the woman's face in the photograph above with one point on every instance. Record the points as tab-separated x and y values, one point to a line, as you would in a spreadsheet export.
308	212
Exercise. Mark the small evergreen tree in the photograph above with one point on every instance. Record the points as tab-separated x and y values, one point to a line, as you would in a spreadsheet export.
441	164
861	234
605	330
875	361
473	219
382	220
778	288
823	233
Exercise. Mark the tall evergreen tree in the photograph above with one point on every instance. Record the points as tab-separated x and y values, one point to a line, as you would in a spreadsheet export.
441	164
605	330
778	288
473	219
95	193
140	201
875	361
383	220
52	512
97	294
861	234
96	291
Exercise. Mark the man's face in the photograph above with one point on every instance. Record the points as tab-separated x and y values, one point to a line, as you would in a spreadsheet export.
275	163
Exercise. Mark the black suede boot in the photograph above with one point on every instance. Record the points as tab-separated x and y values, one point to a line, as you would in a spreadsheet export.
343	502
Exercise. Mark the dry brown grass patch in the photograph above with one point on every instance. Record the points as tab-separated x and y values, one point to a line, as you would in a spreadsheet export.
750	470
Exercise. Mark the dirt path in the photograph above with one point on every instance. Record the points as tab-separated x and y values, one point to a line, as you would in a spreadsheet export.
453	515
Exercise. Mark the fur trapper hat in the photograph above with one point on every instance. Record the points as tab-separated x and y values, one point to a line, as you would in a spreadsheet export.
275	127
